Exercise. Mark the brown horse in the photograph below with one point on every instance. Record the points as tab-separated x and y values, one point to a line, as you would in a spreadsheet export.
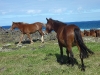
28	29
97	33
86	33
82	33
92	33
68	35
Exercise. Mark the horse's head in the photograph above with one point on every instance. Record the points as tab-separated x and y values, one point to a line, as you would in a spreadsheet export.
49	25
14	25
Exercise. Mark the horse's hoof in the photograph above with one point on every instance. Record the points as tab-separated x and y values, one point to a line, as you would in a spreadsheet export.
19	45
72	64
82	69
31	42
61	61
42	42
68	62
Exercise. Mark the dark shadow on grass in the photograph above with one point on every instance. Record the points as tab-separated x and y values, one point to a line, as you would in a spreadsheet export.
27	42
65	60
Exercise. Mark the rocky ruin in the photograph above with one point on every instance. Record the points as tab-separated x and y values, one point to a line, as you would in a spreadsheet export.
7	36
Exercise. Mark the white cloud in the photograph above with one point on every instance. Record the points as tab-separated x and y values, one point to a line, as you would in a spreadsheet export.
13	16
79	8
41	0
58	11
92	11
3	13
33	11
95	10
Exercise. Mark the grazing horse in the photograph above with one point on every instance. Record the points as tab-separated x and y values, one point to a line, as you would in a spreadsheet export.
67	36
28	29
82	33
92	33
97	33
86	32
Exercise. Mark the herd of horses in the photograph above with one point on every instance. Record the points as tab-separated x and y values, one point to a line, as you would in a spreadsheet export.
91	32
67	35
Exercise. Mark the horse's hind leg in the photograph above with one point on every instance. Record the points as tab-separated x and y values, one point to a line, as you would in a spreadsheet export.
42	39
83	67
22	35
71	55
42	35
81	57
30	38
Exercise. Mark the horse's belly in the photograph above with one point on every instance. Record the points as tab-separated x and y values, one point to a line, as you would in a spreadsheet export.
62	42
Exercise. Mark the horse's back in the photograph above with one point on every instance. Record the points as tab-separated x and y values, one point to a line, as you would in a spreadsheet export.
66	35
36	25
28	28
69	32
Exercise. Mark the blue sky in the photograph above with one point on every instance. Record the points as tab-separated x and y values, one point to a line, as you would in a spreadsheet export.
31	11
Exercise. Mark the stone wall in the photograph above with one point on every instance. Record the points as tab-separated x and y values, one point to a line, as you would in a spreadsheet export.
7	36
14	36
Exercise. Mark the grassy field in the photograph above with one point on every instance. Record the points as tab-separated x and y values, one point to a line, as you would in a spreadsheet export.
41	59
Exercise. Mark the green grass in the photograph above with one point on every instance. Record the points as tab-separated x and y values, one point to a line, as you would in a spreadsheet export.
41	59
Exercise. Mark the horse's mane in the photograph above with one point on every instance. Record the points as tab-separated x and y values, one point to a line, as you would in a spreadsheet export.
22	22
58	22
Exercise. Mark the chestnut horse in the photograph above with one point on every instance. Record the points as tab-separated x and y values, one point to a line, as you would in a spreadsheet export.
92	33
67	36
82	33
97	33
28	29
86	33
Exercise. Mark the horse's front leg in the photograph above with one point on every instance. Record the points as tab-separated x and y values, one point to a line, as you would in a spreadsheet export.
22	35
30	38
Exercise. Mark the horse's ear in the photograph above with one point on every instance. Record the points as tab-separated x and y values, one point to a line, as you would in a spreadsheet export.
50	18
47	19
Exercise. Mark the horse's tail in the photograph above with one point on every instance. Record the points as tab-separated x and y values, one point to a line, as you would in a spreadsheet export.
83	49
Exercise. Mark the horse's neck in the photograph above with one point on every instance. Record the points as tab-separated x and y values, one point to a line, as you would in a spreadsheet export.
20	27
58	27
